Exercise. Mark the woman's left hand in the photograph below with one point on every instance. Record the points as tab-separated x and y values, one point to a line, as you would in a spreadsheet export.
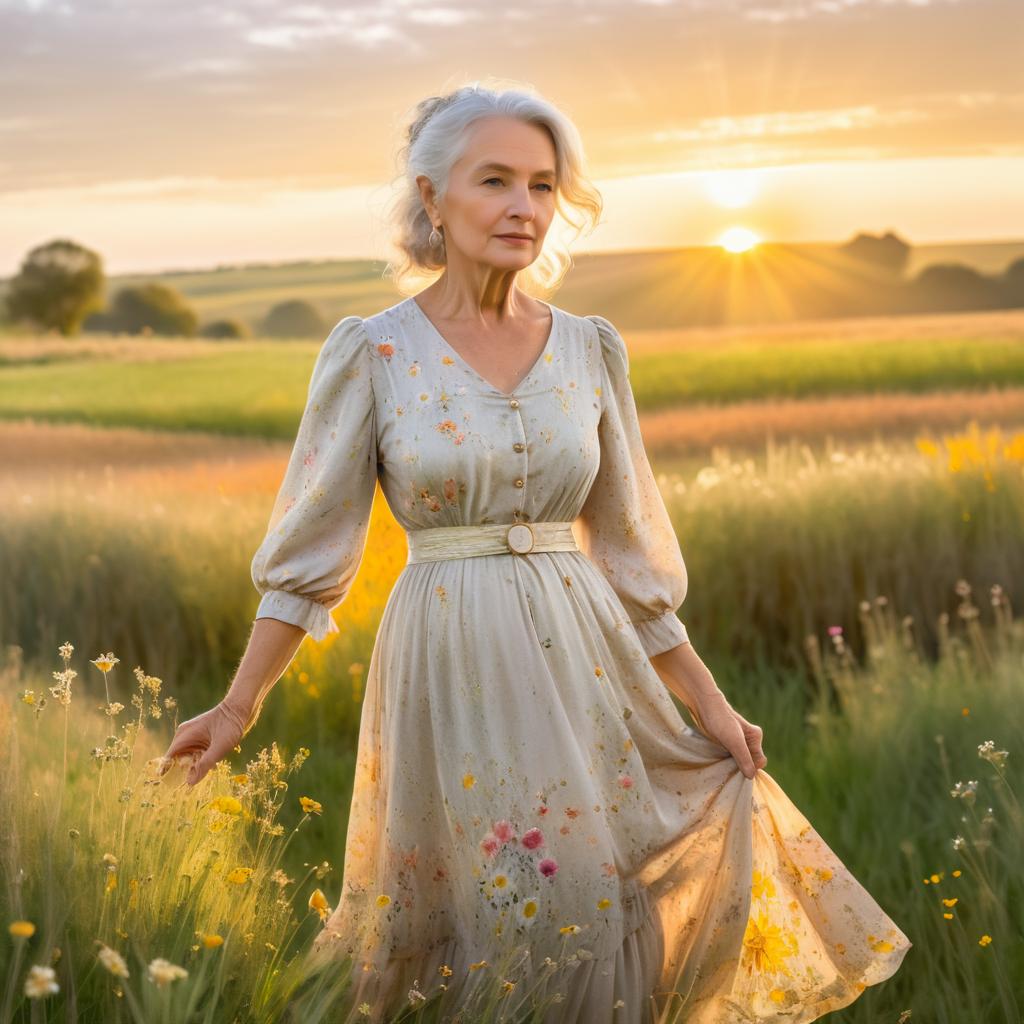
719	721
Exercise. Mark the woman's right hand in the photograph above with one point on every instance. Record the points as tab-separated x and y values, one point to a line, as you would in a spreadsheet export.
207	738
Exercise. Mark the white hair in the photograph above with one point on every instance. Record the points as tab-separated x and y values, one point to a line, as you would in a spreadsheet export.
438	135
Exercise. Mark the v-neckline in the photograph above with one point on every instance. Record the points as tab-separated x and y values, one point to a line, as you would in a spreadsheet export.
548	345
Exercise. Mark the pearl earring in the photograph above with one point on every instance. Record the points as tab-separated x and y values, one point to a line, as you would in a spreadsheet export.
436	238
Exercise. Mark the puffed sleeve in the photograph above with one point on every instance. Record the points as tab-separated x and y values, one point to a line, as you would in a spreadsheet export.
625	526
315	538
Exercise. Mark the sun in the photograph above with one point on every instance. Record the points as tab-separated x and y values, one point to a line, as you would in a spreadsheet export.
738	239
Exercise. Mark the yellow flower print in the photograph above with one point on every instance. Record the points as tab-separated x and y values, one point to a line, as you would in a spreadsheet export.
447	360
383	900
386	350
763	886
468	780
766	945
824	874
880	945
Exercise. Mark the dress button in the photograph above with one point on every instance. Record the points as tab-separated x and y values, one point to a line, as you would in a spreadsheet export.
518	446
518	482
513	403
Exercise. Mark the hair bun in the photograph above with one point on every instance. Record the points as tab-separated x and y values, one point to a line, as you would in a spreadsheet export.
426	109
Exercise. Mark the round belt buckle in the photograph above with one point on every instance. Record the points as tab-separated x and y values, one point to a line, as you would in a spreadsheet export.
519	538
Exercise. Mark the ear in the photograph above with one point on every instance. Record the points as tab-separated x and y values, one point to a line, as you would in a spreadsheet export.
426	187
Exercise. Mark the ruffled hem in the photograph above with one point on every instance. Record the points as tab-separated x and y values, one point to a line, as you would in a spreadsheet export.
578	989
302	611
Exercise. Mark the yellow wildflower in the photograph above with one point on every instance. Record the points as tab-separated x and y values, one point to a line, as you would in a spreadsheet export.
22	929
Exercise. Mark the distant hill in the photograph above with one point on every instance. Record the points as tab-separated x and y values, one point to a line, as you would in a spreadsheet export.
665	288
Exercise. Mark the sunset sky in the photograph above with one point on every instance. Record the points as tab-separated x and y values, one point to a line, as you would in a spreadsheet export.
173	133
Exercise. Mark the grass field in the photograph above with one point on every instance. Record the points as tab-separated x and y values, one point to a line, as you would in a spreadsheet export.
855	560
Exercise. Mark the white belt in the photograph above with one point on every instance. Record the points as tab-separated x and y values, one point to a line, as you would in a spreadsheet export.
436	542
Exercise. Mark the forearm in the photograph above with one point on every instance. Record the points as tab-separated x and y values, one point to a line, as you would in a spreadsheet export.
272	646
683	672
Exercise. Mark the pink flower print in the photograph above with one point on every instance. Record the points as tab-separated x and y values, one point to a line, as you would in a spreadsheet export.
489	844
542	810
532	838
288	504
626	781
547	867
310	457
386	350
451	491
504	831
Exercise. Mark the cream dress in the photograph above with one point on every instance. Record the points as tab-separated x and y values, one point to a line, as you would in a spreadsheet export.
524	778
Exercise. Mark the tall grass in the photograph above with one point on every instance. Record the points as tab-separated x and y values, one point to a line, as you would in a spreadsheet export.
775	548
129	897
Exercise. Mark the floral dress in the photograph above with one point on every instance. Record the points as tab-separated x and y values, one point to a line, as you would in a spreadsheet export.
524	780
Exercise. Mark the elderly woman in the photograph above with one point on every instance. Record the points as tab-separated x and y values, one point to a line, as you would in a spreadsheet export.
530	810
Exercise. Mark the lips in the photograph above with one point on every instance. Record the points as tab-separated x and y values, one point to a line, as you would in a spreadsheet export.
524	237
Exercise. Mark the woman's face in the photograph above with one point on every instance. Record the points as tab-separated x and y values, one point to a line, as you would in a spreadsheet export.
484	201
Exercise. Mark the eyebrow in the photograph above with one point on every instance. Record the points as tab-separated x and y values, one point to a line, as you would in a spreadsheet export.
493	165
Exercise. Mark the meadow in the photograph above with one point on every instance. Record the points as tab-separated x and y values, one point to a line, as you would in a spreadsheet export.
854	558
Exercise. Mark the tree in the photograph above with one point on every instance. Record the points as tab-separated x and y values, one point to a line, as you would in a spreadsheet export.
57	286
888	252
294	319
161	309
226	328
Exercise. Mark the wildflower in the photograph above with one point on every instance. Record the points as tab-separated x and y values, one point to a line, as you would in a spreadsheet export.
318	902
112	960
416	997
162	972
364	1008
105	662
604	904
957	873
66	650
966	792
211	941
958	843
445	971
22	929
508	985
987	751
984	940
533	838
239	875
310	806
618	1004
478	965
950	902
40	982
226	805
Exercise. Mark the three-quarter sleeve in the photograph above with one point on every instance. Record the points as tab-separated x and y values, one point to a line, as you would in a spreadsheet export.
625	527
315	538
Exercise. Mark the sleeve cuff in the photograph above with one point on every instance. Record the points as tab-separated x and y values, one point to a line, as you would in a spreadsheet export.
287	606
661	634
